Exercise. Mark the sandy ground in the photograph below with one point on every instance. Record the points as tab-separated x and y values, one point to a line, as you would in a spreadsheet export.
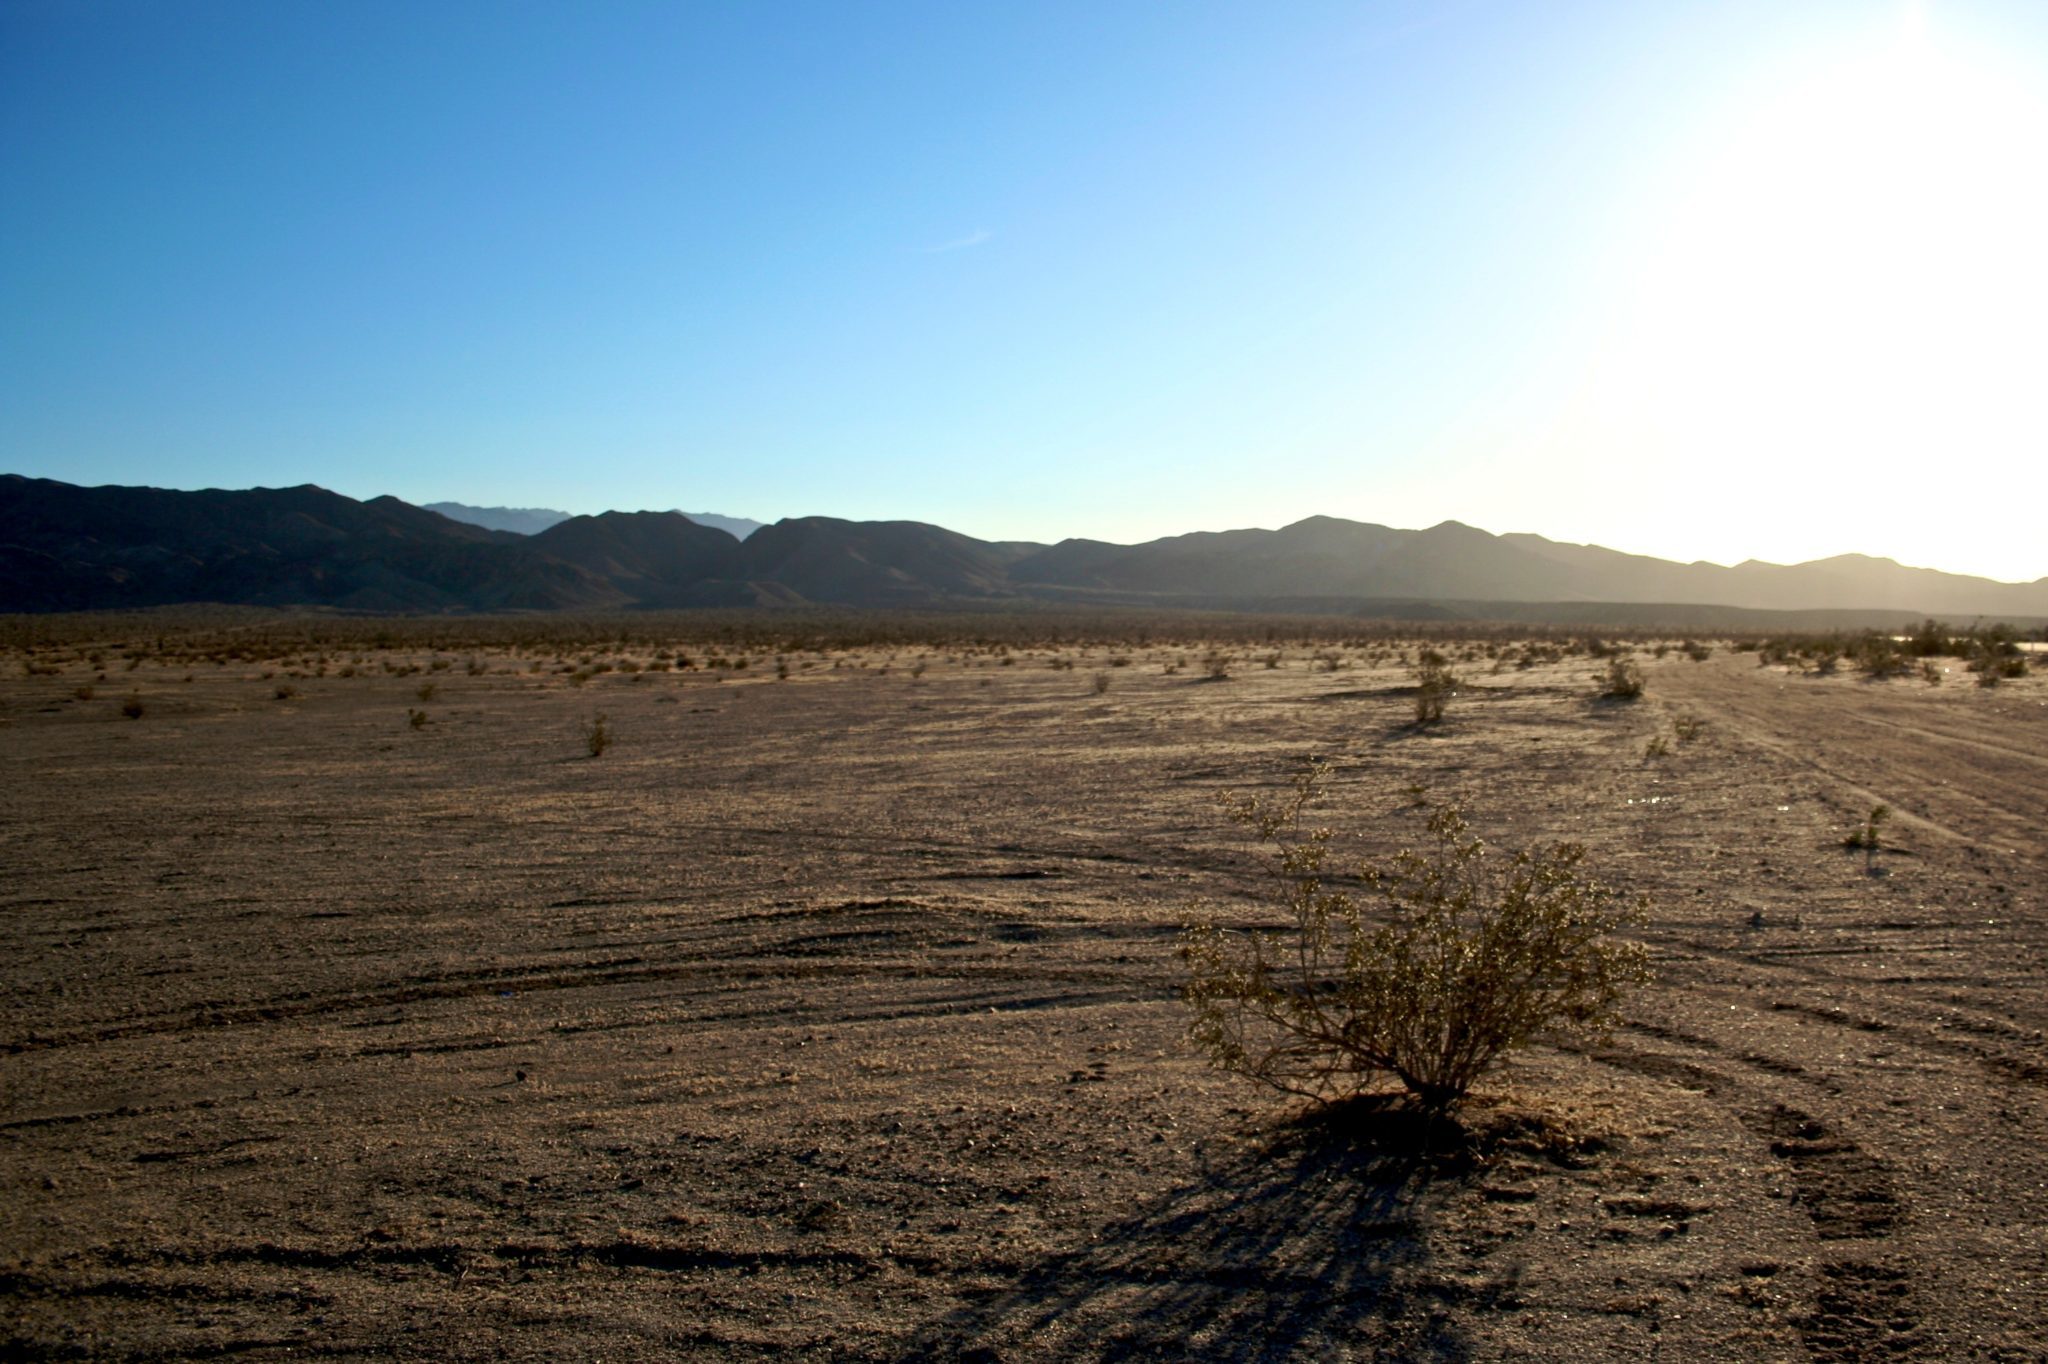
836	1017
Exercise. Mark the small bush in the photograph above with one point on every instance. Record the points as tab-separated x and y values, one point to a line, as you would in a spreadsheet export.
1878	655
597	736
1623	680
1101	683
416	718
132	707
1459	960
1994	657
1435	685
1867	837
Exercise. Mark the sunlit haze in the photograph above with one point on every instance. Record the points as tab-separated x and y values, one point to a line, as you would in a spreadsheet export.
1706	280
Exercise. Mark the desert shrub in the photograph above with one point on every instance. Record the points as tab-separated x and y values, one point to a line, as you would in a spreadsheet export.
1878	654
1995	655
1929	639
132	707
416	718
597	736
1423	967
1623	680
1435	684
1697	652
1867	837
1101	683
1686	728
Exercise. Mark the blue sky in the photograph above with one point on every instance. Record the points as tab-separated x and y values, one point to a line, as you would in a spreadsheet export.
1709	280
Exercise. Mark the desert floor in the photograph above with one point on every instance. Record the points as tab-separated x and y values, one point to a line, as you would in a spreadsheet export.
837	1017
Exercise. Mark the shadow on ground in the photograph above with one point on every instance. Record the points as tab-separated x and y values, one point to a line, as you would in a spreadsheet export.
1308	1247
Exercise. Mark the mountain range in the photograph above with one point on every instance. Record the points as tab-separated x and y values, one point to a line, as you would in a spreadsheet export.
64	547
534	520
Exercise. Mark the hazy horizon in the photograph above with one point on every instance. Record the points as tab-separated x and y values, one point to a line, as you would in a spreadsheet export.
1698	281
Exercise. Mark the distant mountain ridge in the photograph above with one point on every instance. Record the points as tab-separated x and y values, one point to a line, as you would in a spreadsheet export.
534	520
64	547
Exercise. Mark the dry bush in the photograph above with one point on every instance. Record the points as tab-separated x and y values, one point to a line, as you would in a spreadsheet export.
1435	685
1425	967
1623	680
597	736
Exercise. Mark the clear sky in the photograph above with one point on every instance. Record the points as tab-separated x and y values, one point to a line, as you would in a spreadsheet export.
1703	280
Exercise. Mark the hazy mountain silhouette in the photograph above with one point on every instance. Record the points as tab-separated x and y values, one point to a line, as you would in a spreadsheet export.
656	558
517	520
69	548
534	520
1326	557
876	563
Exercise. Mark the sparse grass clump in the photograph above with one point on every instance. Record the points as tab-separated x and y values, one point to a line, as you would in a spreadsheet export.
597	736
1867	837
1424	967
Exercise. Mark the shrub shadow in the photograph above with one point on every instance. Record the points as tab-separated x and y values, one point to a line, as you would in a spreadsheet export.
1311	1246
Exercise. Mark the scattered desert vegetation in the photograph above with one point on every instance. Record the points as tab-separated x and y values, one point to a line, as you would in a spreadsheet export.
840	1012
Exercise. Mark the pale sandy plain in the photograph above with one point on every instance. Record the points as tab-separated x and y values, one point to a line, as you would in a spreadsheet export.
836	1017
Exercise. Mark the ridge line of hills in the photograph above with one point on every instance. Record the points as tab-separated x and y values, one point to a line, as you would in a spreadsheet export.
534	520
65	547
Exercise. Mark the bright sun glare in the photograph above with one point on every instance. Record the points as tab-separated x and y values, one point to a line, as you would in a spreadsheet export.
1845	315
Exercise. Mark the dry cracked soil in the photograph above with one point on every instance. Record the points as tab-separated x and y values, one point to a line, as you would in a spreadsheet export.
836	1017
